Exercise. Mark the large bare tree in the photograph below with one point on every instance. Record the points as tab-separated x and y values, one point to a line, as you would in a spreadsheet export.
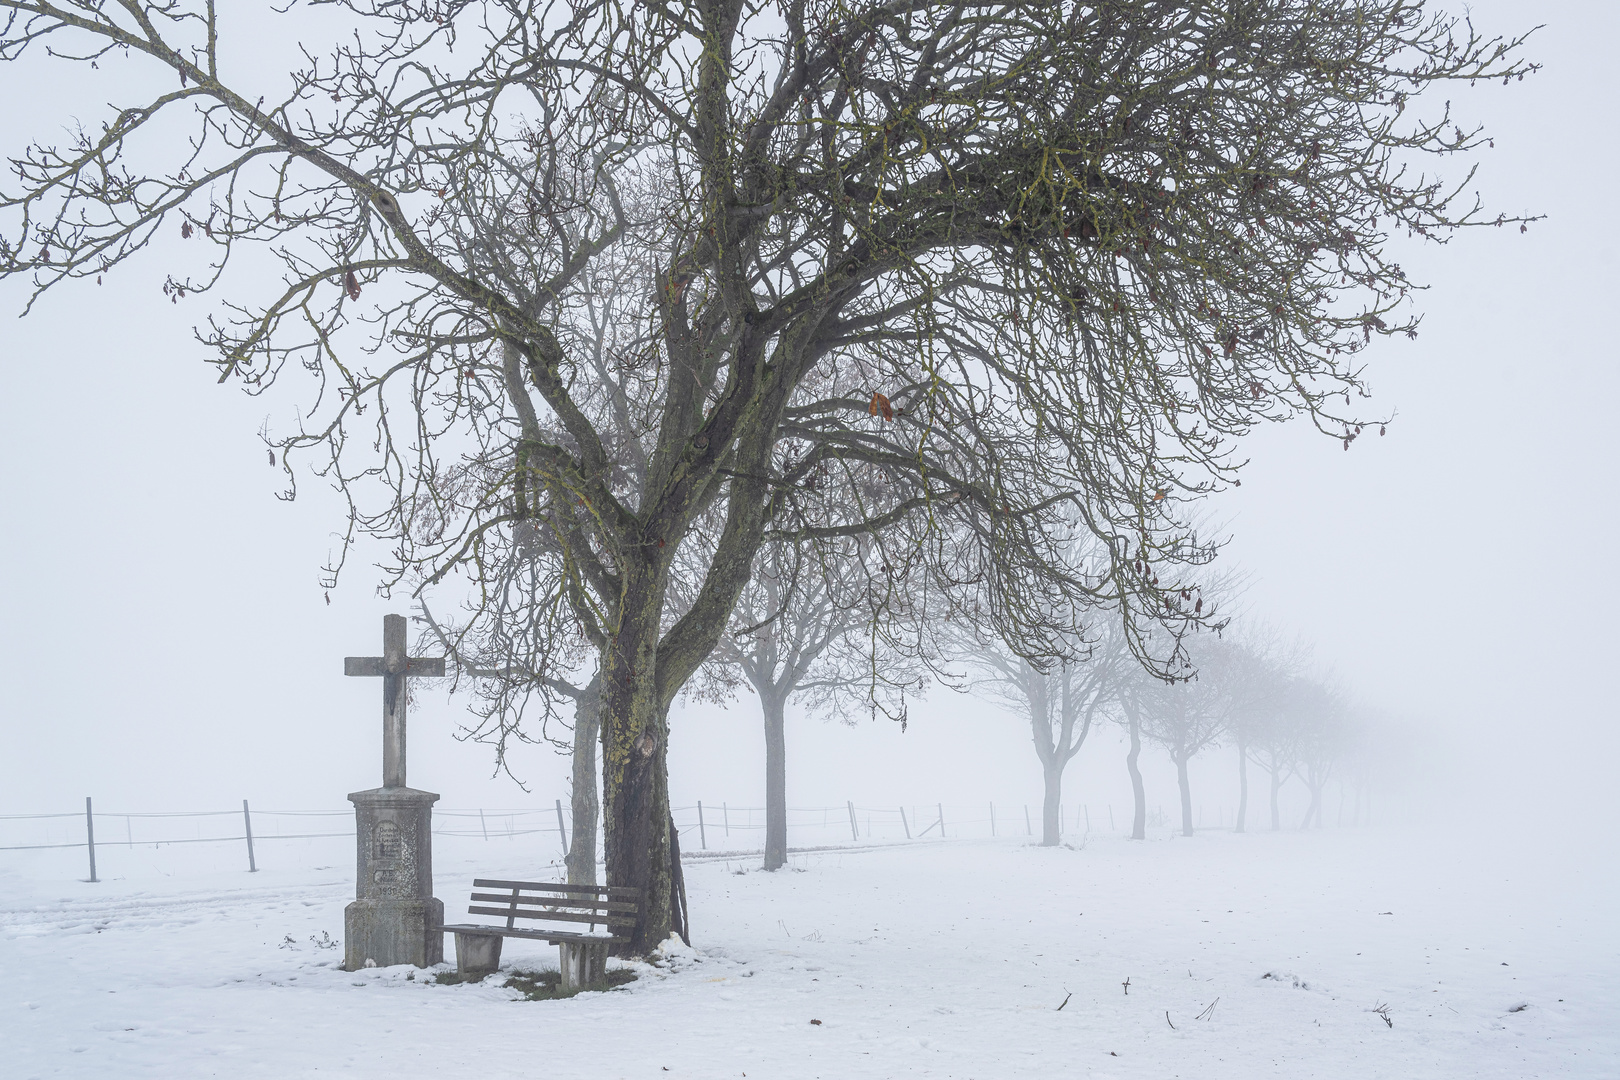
1052	258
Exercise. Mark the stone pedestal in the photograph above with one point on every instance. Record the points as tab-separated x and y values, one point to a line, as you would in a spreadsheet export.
394	918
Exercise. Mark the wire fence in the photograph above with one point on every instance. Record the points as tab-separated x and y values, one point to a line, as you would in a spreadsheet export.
702	827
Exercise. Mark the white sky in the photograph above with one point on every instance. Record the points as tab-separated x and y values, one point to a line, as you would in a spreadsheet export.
165	643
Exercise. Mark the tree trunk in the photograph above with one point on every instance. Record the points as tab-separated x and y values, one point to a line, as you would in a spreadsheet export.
1186	795
1139	822
635	773
775	781
1243	786
1276	786
1315	809
587	807
1051	805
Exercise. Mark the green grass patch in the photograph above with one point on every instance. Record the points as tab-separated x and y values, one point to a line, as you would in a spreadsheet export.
547	985
540	985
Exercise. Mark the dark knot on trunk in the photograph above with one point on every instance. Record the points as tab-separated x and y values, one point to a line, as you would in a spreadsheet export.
646	744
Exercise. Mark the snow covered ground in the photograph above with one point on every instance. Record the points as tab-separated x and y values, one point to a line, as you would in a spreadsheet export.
941	959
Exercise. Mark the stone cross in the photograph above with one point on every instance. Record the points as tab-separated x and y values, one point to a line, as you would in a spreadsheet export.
394	667
394	918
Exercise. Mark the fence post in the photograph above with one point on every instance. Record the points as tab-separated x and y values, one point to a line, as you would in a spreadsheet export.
561	834
904	824
247	821
853	833
482	824
90	836
942	821
725	816
1029	830
1087	809
703	837
992	819
1110	817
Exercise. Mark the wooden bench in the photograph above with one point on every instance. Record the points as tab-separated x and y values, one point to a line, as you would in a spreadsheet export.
583	951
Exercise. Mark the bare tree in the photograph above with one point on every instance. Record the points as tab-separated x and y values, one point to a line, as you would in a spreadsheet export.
1185	716
1058	256
805	629
1258	669
485	654
1273	741
1062	699
1321	714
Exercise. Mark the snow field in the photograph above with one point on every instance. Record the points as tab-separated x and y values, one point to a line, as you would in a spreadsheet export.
935	960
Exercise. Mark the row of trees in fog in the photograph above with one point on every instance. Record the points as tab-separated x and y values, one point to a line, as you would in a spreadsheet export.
665	346
1252	693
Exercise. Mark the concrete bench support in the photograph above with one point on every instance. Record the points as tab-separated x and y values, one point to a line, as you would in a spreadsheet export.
477	955
584	965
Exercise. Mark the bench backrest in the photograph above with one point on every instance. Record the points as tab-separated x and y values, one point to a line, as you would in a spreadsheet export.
611	906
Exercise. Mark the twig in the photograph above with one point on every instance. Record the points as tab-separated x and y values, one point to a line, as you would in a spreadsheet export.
1167	1019
1067	994
1382	1011
1209	1013
1127	985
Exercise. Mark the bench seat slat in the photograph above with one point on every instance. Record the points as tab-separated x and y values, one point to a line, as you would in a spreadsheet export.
548	936
556	886
558	916
564	903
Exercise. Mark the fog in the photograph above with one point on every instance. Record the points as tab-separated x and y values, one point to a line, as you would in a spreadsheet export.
167	644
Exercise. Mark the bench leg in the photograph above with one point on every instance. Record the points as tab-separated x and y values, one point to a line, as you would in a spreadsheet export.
584	965
477	955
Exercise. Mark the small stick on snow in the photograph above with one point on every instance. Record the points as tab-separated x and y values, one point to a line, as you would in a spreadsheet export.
1067	994
1167	1019
1127	985
1209	1013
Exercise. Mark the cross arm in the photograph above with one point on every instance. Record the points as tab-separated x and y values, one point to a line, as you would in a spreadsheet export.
429	667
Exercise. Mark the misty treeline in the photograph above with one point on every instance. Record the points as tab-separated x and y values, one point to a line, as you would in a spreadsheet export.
1252	691
663	346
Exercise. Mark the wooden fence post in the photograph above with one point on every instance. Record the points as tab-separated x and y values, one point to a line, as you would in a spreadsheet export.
942	821
1029	830
247	822
992	819
703	837
90	836
904	824
561	835
853	833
